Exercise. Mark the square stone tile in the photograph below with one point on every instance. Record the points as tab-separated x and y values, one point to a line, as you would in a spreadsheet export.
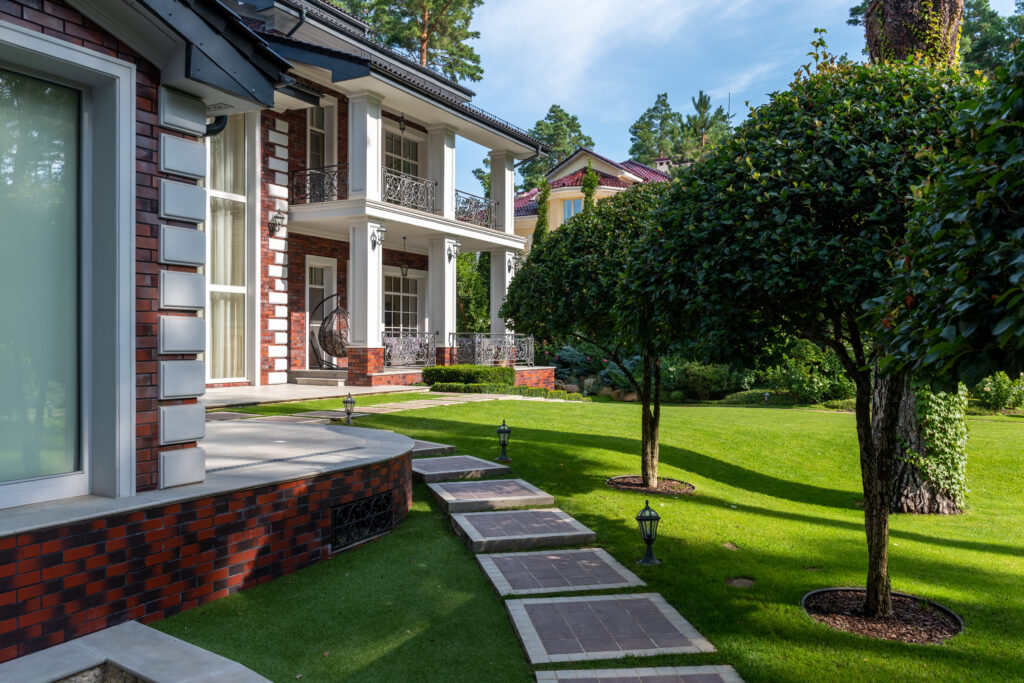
451	467
593	620
227	415
492	494
718	673
520	530
424	448
558	571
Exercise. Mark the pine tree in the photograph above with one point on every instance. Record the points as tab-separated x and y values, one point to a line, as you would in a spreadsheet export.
704	129
432	32
563	133
657	133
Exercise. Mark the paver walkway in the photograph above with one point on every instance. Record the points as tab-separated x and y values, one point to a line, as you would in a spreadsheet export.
520	530
653	674
454	467
493	494
551	571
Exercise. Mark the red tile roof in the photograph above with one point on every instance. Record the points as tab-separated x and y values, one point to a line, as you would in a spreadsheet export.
645	172
575	179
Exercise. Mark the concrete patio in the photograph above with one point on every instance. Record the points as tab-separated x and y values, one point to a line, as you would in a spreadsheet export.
221	397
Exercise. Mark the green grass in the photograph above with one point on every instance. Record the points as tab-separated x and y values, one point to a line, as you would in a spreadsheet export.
330	403
782	485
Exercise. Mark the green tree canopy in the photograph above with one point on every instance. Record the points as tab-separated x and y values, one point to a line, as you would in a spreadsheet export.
791	227
472	293
959	312
433	32
572	285
540	230
703	130
657	133
563	133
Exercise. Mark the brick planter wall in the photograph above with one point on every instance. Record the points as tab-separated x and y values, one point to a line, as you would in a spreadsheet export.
64	582
536	377
362	364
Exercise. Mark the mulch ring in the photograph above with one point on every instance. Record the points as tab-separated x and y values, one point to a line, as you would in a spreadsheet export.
632	482
914	620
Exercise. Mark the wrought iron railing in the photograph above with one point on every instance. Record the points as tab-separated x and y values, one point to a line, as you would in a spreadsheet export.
410	349
408	190
476	210
312	185
492	349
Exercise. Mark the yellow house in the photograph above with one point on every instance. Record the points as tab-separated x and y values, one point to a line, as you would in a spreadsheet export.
566	179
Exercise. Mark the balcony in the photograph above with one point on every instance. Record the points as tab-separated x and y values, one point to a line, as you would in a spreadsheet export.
470	208
408	190
314	185
410	349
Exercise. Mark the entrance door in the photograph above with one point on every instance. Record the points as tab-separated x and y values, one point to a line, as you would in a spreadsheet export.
321	282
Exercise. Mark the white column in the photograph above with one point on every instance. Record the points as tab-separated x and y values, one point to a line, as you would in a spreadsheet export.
441	167
364	146
502	269
503	188
366	320
441	288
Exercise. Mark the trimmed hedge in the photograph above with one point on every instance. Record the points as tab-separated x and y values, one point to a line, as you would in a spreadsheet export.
481	388
469	374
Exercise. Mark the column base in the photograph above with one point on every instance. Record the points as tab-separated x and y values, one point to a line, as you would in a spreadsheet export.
363	363
446	355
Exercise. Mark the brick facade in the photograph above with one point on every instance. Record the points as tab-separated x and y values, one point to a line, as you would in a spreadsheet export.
536	377
65	582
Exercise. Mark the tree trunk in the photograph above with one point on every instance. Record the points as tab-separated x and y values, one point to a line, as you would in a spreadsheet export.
897	29
424	34
910	491
651	408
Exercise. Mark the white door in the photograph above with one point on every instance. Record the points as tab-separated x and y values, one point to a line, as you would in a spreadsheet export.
321	282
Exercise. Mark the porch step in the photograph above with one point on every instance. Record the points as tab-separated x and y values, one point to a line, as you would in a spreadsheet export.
320	378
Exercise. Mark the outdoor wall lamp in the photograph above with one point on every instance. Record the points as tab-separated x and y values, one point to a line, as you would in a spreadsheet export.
648	521
503	432
405	258
276	222
510	264
377	236
350	404
401	123
453	249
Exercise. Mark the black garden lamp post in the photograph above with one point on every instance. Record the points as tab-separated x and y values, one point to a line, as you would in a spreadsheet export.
648	521
350	404
503	432
767	395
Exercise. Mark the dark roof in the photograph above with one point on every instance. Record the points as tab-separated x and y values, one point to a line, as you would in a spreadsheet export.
346	65
645	172
526	207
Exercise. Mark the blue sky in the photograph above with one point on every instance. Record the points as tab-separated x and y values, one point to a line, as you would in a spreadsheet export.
606	60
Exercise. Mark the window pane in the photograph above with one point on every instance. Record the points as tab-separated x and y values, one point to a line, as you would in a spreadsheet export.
227	335
316	312
39	332
227	242
227	157
316	277
566	209
316	149
317	118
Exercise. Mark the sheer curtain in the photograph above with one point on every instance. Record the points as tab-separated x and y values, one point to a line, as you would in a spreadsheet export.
39	275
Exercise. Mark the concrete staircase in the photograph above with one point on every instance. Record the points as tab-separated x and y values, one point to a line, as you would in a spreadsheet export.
321	378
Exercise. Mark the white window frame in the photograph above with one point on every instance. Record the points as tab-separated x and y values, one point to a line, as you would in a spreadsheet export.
571	203
229	289
330	287
415	136
330	130
107	257
421	293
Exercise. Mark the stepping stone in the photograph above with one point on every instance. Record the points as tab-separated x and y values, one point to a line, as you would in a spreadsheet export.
520	530
495	494
654	674
226	415
380	409
422	448
602	627
455	467
290	418
556	571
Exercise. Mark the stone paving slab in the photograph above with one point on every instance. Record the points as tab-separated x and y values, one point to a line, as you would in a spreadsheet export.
290	418
381	408
329	414
509	530
493	494
556	571
578	629
423	448
719	673
451	467
226	415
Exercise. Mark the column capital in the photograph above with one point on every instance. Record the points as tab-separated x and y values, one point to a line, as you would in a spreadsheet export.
442	128
366	96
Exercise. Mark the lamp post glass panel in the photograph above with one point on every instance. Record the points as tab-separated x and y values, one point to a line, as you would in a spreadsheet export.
648	522
503	432
350	404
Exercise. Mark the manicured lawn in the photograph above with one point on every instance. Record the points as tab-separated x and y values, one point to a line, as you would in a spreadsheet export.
782	485
330	403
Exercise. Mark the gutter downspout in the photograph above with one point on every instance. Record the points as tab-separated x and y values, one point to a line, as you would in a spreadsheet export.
216	126
529	158
298	24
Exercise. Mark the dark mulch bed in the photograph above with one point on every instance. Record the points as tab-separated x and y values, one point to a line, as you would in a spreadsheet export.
633	482
914	620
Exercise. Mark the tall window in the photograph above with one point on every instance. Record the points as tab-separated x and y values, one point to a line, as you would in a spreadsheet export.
39	273
226	240
401	305
317	138
401	153
571	207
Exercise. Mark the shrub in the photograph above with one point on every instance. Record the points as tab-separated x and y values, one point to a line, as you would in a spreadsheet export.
847	405
999	392
557	393
707	382
469	374
613	376
481	388
676	396
576	396
811	375
572	362
755	397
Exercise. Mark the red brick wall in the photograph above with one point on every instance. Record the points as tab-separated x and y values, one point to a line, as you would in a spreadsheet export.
536	377
64	582
55	18
362	364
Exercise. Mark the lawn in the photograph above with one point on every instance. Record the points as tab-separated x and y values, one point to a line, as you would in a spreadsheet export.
782	485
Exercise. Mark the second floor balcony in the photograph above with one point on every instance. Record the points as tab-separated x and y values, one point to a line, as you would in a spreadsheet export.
332	183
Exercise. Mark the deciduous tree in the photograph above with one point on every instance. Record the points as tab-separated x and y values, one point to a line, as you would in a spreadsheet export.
563	133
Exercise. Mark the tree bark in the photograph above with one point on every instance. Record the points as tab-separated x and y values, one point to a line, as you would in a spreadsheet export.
910	491
897	29
651	412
